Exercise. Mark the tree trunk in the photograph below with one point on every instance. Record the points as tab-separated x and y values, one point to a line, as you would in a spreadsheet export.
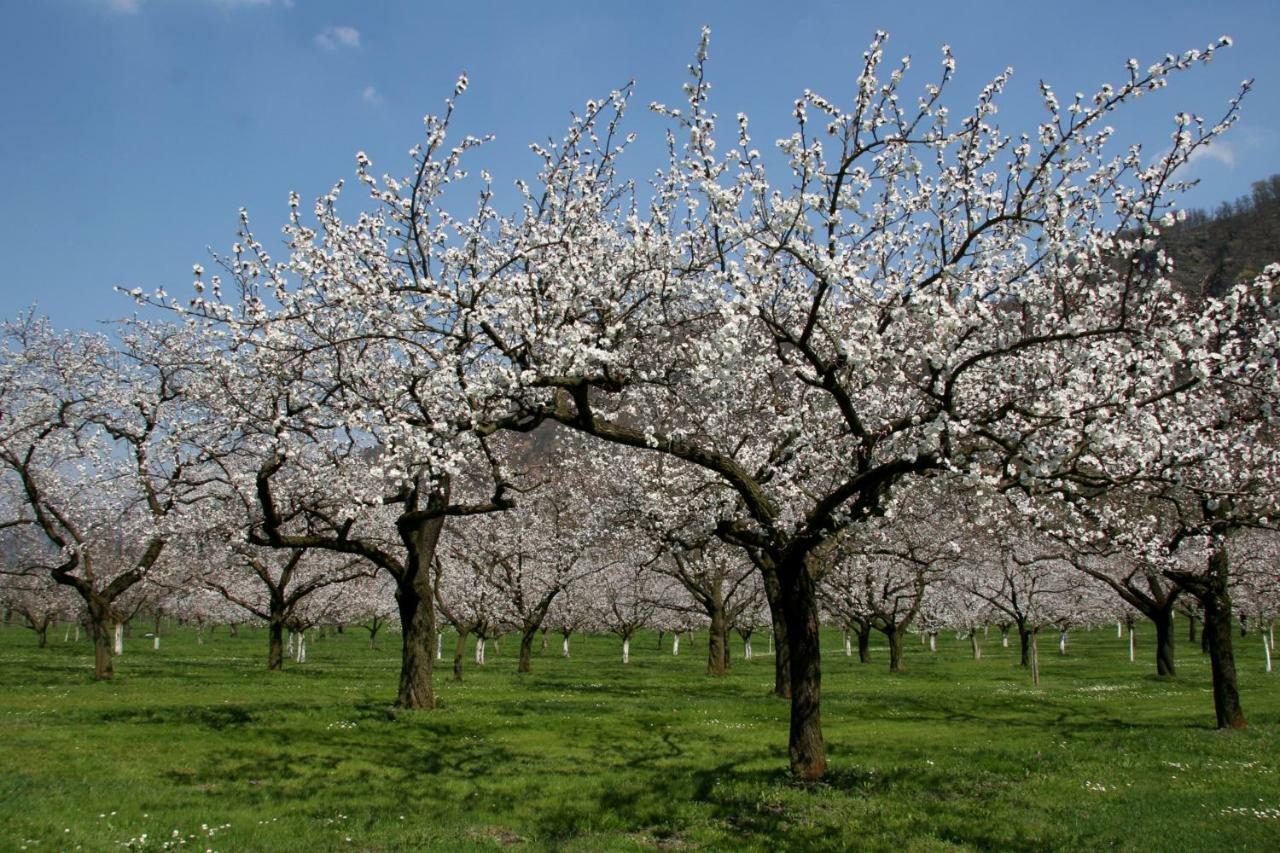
895	635
782	648
717	643
848	644
416	602
973	644
275	645
1191	628
42	636
418	633
626	650
101	628
1163	617
459	649
117	646
675	644
1024	643
1216	601
807	750
1062	641
526	650
864	644
564	646
1035	658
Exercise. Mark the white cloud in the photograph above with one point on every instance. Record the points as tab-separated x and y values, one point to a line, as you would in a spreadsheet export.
371	95
334	38
1217	151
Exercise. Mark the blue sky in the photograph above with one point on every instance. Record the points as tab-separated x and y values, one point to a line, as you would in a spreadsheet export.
134	130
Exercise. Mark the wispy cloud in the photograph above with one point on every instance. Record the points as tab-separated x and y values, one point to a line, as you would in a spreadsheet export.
1218	151
133	7
335	38
370	95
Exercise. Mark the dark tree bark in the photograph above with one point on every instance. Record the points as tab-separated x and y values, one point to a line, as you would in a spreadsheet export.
1163	619
864	642
1024	643
718	643
1211	589
459	649
275	644
781	644
895	635
526	649
806	747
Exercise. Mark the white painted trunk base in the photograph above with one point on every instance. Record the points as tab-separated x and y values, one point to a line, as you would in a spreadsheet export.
675	644
117	647
626	651
564	647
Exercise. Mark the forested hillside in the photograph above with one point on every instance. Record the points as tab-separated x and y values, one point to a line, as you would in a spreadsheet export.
1234	242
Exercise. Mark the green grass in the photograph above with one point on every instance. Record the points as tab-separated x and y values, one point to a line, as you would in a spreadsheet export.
586	754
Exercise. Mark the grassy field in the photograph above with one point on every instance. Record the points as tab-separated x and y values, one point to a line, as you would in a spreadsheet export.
198	746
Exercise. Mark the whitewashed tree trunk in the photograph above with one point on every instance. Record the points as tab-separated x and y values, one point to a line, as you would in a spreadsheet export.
973	643
66	635
1266	647
770	642
564	647
117	647
933	641
480	651
289	647
746	650
675	644
626	650
1004	639
1119	629
1035	659
155	644
440	645
848	645
1132	646
302	647
1062	642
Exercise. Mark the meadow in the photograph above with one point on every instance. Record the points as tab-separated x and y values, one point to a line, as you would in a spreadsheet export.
199	746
